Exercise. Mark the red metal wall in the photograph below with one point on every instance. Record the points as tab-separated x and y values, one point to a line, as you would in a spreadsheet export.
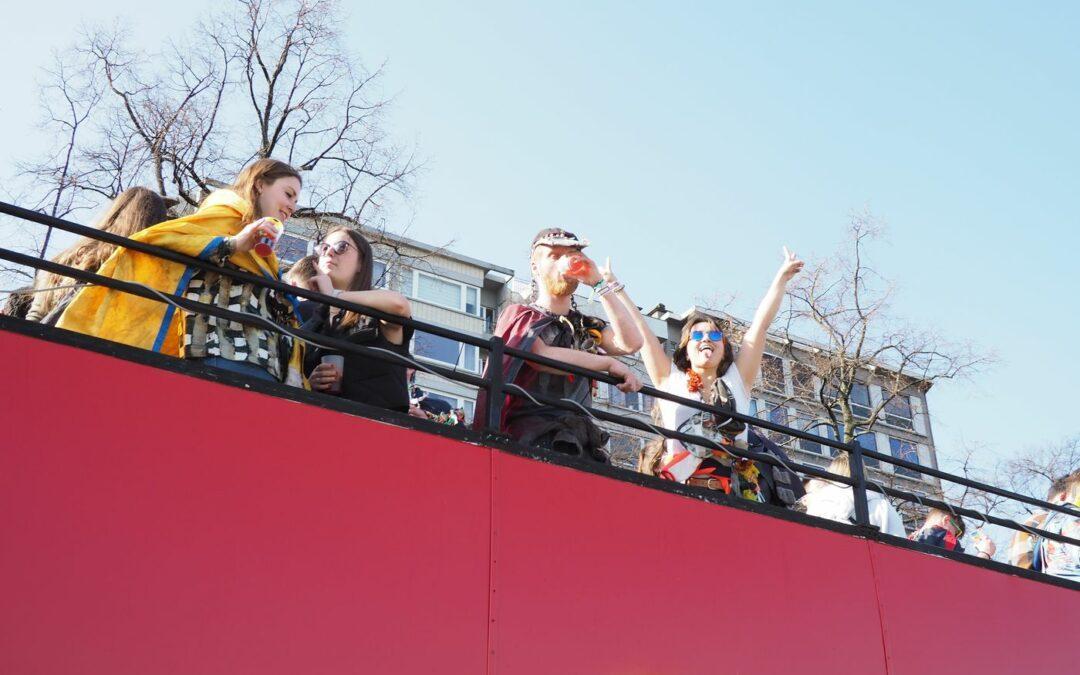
152	522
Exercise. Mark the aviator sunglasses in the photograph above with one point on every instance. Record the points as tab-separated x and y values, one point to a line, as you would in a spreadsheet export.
699	335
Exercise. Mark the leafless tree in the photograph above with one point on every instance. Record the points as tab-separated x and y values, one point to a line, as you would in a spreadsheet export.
842	305
260	78
1029	471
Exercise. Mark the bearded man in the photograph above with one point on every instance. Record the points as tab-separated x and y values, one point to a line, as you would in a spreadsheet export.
551	326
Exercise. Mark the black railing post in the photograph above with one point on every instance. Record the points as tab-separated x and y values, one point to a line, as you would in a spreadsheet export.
495	395
855	461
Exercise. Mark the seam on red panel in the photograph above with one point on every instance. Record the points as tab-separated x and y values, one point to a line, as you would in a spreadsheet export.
490	646
880	608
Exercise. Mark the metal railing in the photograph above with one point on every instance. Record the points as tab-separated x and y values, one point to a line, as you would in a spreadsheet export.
497	389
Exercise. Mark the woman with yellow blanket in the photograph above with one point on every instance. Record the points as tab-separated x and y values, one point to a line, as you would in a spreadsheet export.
223	230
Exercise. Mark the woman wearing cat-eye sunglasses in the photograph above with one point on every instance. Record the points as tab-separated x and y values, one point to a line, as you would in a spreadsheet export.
345	270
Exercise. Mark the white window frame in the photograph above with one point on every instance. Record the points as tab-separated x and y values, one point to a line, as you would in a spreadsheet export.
783	376
386	279
461	355
869	408
918	458
811	393
886	415
461	292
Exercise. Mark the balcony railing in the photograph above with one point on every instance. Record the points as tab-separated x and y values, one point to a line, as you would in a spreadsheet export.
493	381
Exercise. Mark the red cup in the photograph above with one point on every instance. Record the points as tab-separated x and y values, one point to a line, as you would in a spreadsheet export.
577	266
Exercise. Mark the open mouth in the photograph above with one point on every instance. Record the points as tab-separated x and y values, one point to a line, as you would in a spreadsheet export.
706	351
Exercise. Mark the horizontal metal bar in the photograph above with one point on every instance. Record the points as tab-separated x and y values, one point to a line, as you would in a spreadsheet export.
457	336
971	513
811	470
247	277
318	339
960	480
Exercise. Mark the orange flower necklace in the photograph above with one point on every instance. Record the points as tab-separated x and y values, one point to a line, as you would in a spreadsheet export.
694	382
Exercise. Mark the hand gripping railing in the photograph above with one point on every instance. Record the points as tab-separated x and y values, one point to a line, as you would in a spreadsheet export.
498	389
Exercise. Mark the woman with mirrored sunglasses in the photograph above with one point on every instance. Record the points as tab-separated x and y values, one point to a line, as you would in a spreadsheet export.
345	270
706	368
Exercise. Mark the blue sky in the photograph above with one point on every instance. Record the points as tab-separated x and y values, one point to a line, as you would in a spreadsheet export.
692	142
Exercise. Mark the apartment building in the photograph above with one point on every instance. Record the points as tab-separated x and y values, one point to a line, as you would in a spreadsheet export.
463	293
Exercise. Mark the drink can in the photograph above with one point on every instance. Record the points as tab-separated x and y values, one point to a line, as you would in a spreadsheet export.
266	244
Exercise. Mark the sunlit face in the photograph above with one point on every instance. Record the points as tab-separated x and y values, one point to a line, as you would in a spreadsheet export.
278	199
339	259
545	269
706	353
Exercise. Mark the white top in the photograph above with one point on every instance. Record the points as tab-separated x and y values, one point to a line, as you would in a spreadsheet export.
835	501
674	414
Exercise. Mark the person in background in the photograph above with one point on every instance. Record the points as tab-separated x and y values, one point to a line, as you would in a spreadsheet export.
707	368
224	230
1046	555
943	529
298	275
551	326
836	501
133	210
18	302
344	271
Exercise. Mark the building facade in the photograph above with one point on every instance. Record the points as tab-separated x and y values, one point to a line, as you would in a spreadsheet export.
459	292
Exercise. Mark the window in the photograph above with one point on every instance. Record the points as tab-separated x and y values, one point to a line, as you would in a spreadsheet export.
488	315
820	429
778	415
472	300
772	373
753	407
446	351
868	441
379	278
907	450
802	381
898	412
291	248
860	400
446	293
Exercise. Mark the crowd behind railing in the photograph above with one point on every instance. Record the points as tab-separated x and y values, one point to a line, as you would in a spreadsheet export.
208	287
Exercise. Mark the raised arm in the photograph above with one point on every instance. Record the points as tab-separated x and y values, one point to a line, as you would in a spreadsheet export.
657	362
748	360
624	335
390	302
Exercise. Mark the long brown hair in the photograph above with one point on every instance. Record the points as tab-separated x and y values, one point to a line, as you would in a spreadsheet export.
680	357
133	210
362	280
261	172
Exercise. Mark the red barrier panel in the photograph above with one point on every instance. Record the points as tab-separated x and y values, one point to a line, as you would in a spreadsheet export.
157	523
152	522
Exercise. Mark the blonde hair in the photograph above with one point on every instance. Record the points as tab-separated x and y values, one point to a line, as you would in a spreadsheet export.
249	182
841	465
133	210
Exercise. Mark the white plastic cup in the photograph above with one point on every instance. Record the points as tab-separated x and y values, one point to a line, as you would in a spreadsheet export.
338	362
